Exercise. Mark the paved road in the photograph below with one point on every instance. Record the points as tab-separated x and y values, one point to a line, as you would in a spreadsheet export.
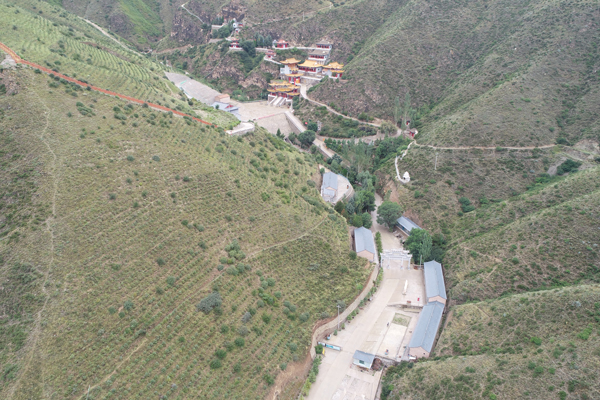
371	331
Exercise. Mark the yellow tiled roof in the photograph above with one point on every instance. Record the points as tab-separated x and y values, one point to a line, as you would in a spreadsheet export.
290	61
310	64
334	65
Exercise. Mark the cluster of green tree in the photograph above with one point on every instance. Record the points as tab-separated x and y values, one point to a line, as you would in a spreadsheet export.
363	156
568	166
357	209
388	213
424	247
223	31
305	138
406	116
263	41
249	57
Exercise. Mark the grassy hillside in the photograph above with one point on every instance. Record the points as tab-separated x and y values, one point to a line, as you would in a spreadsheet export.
543	345
139	21
119	228
521	234
496	73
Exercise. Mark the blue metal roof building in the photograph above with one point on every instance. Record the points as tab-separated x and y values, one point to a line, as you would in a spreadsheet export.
363	359
406	224
423	338
364	243
435	289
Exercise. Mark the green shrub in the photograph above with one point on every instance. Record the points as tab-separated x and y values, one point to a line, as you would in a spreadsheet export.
585	334
209	303
568	166
562	395
319	349
215	364
269	379
220	354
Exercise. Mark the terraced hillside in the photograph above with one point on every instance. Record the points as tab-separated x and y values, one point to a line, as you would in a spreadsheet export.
67	44
542	345
121	228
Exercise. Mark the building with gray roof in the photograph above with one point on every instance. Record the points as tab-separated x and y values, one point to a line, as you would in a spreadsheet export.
364	244
335	188
406	225
362	359
435	289
423	337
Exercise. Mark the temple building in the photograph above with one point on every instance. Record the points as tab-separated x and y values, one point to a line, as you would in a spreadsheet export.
321	56
333	70
310	67
282	92
290	66
235	44
270	54
281	44
325	45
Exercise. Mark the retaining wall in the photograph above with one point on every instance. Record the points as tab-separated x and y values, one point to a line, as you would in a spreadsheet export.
296	125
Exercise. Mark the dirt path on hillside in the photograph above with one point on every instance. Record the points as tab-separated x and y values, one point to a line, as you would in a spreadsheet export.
545	146
34	336
191	13
157	107
109	36
304	94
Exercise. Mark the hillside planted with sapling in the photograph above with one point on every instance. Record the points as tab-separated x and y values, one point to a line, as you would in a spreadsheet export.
164	256
67	44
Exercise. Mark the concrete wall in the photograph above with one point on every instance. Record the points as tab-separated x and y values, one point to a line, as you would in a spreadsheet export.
418	352
366	254
436	298
330	326
295	123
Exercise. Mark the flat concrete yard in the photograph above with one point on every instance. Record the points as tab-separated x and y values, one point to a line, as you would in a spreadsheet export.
269	117
374	331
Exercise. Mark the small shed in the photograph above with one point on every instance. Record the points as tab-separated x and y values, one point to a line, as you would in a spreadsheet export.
364	244
423	338
362	359
406	225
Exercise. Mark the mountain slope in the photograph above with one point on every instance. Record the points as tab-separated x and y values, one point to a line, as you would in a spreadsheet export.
494	73
131	225
542	345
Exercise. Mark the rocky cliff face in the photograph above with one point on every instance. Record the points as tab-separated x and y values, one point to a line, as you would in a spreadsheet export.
188	29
